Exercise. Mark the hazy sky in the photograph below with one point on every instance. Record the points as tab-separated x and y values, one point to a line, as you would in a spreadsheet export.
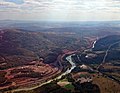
60	10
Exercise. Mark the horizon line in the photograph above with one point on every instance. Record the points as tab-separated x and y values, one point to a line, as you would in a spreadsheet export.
61	20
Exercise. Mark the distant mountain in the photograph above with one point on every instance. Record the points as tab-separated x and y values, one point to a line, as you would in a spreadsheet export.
42	26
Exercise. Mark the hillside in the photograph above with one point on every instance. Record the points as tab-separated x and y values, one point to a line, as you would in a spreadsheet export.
32	56
33	45
104	43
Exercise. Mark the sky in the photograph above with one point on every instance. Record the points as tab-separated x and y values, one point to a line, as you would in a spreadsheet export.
60	10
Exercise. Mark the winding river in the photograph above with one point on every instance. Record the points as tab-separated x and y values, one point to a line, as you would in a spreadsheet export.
73	65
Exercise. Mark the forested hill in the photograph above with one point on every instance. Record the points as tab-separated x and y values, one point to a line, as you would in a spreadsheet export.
104	43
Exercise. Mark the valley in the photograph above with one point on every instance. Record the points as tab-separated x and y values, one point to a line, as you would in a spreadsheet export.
33	61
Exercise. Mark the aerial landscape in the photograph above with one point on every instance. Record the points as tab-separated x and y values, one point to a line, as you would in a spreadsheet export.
59	46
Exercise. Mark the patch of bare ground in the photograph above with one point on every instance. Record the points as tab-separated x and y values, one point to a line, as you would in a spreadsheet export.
106	85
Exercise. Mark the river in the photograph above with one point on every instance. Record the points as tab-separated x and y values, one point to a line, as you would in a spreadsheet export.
73	65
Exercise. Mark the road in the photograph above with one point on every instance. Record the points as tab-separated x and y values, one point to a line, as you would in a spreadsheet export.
106	53
104	59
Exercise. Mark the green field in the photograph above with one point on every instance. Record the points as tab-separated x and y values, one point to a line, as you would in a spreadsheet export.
69	87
